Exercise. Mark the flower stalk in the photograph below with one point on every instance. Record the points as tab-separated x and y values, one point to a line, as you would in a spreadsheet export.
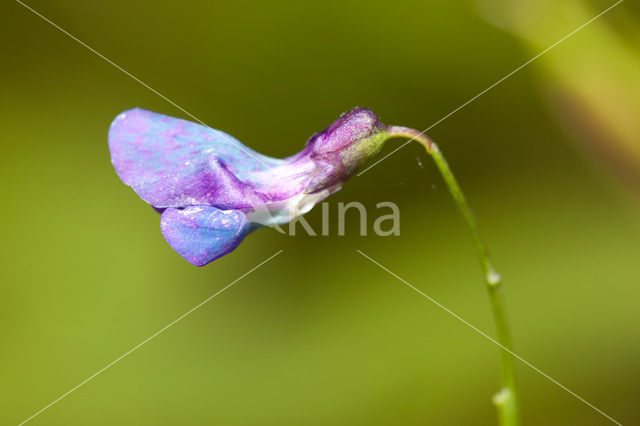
506	400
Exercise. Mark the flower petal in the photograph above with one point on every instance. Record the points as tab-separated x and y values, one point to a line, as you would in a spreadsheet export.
202	234
171	162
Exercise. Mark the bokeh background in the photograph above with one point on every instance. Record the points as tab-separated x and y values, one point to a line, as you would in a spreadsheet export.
549	160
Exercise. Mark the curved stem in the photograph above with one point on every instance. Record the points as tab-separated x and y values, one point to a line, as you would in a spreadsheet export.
506	399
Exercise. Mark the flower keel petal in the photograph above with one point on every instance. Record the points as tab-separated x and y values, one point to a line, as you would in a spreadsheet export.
202	234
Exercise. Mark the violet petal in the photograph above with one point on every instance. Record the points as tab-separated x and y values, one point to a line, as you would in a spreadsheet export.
202	234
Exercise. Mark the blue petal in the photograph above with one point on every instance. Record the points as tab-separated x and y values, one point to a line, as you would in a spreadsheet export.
202	234
171	162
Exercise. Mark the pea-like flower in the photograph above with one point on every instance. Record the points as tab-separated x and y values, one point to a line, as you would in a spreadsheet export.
213	191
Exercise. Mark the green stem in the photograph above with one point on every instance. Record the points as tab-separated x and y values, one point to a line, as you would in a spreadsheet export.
506	399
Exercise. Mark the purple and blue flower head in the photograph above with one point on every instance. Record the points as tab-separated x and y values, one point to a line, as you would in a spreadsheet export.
213	191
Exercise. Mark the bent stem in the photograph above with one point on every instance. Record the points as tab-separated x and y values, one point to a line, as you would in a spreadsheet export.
506	399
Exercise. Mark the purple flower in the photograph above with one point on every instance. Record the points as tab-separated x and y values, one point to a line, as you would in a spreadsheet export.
212	190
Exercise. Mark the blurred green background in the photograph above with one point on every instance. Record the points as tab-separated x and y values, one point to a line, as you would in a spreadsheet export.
320	335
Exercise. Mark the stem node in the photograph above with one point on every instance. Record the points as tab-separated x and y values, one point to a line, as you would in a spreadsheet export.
494	279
